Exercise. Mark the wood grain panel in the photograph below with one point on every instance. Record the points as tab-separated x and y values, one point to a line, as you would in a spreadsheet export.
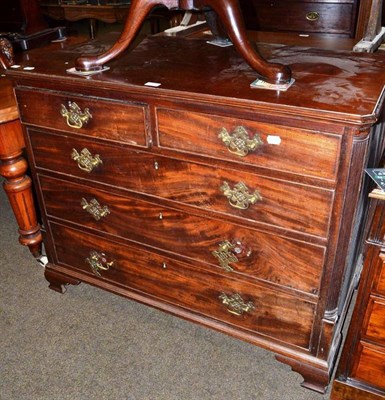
291	206
370	366
263	256
112	120
276	314
294	150
375	329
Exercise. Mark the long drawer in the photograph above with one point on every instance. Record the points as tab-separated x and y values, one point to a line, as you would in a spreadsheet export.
247	196
248	306
326	17
107	119
226	246
249	142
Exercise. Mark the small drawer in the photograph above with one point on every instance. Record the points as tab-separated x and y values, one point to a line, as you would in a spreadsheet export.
248	142
245	196
375	328
247	306
102	118
228	248
326	17
370	365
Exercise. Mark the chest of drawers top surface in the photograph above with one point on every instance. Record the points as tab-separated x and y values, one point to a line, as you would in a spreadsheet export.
338	85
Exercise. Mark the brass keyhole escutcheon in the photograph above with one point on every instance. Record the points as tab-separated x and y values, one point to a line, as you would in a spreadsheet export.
98	262
235	304
95	209
74	116
86	161
239	142
239	197
312	16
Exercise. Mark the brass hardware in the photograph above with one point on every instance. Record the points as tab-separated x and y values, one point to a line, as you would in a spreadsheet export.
85	160
76	118
164	265
235	304
239	197
98	261
156	165
238	142
160	215
225	256
95	209
312	16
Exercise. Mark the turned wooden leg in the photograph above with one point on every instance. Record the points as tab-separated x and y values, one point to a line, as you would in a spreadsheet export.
57	280
314	378
18	186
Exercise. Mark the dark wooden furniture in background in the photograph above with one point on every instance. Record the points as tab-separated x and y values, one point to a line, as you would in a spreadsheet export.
13	168
61	11
22	16
361	372
370	30
22	22
358	19
233	207
325	17
108	13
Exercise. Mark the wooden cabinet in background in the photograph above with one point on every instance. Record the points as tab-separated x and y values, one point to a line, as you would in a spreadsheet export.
361	372
337	18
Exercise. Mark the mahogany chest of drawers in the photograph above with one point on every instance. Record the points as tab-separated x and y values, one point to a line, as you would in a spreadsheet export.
168	180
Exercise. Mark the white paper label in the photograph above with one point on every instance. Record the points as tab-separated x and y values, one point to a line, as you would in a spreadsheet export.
271	139
152	84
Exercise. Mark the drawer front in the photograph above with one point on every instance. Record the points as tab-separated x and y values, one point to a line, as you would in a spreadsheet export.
250	253
117	121
370	366
270	313
246	196
375	329
305	16
249	142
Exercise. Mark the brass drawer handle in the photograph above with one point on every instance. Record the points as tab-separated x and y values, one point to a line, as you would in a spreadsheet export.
85	160
312	16
239	197
98	262
75	117
95	209
225	255
239	142
235	304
